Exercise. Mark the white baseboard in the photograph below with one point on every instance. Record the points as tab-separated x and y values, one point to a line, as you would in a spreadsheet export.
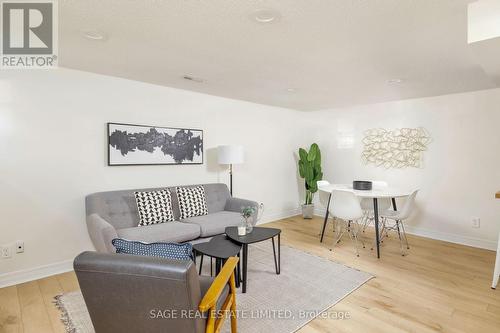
442	236
279	216
40	272
453	238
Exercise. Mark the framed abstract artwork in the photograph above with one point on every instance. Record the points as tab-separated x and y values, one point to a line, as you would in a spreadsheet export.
151	145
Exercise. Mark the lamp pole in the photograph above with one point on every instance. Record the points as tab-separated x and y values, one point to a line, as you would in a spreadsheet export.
231	179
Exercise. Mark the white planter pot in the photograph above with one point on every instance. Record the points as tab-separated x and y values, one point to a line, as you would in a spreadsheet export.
308	211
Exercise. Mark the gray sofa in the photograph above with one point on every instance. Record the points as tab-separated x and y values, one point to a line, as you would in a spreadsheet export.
114	215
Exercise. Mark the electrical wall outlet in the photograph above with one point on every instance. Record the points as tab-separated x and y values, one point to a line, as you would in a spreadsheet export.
20	246
6	252
476	222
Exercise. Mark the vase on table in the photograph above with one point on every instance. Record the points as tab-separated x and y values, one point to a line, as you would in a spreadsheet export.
248	224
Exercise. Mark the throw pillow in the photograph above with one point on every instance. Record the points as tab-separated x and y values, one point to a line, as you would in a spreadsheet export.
192	201
154	207
161	250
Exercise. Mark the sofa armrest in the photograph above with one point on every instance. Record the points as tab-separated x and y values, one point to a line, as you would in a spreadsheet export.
101	233
237	204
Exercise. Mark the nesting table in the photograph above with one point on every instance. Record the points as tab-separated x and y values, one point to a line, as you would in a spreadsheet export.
258	234
220	248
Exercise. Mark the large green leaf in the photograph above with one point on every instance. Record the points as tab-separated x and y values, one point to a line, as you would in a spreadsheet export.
317	160
309	172
302	169
313	151
303	154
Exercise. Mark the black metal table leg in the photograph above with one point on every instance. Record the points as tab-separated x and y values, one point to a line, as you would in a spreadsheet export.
211	267
279	253
218	264
394	204
201	263
275	261
238	272
326	218
245	258
375	210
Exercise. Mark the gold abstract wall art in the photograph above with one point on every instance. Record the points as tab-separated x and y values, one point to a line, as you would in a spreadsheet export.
397	148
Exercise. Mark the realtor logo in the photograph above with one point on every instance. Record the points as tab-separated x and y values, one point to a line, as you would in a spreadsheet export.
29	34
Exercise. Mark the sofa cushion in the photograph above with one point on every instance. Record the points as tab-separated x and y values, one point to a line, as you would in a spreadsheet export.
162	250
215	223
162	232
154	207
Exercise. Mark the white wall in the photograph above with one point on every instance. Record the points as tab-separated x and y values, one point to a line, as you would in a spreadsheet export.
461	169
53	152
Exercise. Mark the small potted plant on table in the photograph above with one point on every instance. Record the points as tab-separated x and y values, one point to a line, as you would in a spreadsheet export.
310	170
246	213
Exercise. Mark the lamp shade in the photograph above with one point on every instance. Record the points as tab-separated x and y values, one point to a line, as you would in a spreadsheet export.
230	154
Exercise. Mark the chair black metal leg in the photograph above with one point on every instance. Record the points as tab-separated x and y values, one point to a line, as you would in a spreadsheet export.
211	267
326	218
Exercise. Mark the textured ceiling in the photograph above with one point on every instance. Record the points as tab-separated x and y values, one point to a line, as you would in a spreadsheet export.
331	52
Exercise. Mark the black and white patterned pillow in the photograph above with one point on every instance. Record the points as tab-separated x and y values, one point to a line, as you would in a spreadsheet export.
192	201
154	207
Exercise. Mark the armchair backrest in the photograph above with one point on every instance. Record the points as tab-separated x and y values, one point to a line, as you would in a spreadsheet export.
120	209
126	293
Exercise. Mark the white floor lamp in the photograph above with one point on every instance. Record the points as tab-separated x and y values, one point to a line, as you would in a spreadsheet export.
230	154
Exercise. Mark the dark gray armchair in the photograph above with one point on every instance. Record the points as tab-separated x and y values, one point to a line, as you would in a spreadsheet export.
126	293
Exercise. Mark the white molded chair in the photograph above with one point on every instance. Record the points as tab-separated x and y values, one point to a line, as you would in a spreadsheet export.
367	204
345	206
324	197
399	216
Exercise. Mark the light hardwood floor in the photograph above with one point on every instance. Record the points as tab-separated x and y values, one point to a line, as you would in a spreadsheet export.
437	287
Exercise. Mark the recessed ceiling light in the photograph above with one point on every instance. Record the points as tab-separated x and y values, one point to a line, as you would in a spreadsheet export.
291	90
192	78
93	34
265	15
395	81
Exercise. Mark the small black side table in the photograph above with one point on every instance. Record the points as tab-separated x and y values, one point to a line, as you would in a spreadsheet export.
258	234
221	248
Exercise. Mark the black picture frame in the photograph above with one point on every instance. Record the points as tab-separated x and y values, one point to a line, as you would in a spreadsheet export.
111	126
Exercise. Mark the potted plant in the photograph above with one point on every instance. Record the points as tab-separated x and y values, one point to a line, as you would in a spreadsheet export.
310	170
246	213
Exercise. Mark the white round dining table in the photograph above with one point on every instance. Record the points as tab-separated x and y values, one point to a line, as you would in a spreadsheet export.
374	194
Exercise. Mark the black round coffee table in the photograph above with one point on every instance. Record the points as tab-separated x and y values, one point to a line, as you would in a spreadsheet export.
221	248
258	234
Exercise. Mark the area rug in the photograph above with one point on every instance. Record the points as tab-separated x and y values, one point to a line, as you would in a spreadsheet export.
307	286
